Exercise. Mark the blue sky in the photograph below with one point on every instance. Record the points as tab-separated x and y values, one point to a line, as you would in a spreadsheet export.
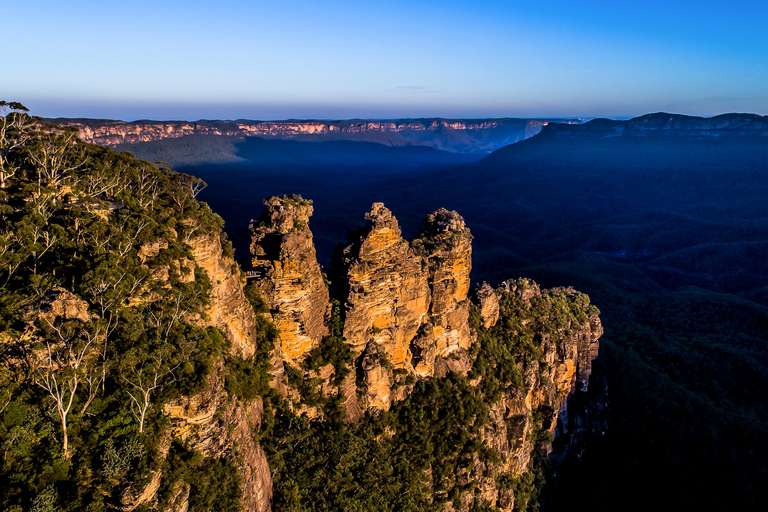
377	59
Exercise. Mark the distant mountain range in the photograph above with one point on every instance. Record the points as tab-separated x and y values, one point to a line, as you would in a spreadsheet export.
477	136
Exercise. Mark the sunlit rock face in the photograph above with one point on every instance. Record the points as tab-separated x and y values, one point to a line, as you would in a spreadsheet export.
455	135
291	278
214	423
446	245
488	303
228	309
389	294
406	303
562	369
220	426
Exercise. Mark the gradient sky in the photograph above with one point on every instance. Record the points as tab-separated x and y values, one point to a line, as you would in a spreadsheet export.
387	58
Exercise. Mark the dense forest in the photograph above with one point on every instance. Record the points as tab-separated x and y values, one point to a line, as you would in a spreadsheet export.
96	334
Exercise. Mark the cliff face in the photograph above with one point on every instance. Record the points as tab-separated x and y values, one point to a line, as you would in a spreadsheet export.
142	368
445	243
410	299
456	135
388	296
228	310
216	424
406	315
212	422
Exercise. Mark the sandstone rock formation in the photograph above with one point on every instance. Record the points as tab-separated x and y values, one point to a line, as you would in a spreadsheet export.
445	243
291	279
388	291
565	359
410	300
406	315
217	425
210	422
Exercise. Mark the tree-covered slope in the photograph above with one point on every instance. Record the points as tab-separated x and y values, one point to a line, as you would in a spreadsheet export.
99	291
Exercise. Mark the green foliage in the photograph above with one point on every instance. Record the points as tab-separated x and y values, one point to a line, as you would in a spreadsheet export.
516	338
111	237
382	462
249	378
293	200
96	269
213	483
435	431
332	350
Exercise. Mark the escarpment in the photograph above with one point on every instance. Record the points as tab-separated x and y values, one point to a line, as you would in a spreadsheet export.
213	422
405	305
555	335
454	135
228	309
388	293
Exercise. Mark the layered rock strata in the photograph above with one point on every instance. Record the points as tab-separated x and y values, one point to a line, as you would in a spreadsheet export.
446	245
211	422
290	278
456	135
406	317
388	290
228	309
406	304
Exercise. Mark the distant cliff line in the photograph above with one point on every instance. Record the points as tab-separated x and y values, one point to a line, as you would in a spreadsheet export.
454	135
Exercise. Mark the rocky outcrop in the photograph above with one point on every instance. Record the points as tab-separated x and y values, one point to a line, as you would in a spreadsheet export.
388	291
291	280
488	304
60	302
446	245
521	420
212	422
407	304
217	425
561	369
406	316
377	378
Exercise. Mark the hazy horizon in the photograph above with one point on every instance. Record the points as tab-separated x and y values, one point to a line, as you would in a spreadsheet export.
583	119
